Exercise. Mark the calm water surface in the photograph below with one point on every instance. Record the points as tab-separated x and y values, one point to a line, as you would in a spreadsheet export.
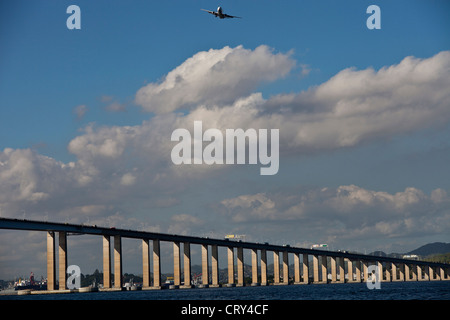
427	290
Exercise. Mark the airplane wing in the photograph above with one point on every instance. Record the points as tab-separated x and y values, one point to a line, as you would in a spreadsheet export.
228	16
212	12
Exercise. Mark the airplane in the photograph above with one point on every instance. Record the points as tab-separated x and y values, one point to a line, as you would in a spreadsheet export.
219	13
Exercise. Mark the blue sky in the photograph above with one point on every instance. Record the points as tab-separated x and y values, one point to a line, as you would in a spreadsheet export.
48	72
115	51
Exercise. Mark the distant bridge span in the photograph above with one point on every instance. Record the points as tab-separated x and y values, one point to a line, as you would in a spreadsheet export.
345	267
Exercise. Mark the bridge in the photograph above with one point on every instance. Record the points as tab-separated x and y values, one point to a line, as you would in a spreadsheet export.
345	267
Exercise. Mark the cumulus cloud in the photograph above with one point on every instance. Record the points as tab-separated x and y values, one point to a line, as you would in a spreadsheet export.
24	175
107	142
357	106
347	212
351	108
214	77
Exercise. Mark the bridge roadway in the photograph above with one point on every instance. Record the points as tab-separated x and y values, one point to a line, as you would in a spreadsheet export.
425	270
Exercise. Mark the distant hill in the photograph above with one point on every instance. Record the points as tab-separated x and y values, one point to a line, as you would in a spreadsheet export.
383	254
424	251
378	254
432	248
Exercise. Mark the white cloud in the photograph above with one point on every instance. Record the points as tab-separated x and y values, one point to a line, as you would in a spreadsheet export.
347	212
105	142
214	77
24	176
128	179
258	205
359	106
115	107
351	108
80	111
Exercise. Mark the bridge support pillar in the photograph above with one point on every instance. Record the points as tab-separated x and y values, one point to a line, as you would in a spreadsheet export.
401	271
240	266
285	267
365	271
394	272
156	264
305	267
276	267
333	269
176	265
380	270
341	270
62	260
324	269
428	273
214	266
230	266
407	273
255	267
263	267
387	274
441	273
296	268
205	266
358	270
315	268
187	265
414	272
349	270
106	262
419	273
117	262
145	264
51	260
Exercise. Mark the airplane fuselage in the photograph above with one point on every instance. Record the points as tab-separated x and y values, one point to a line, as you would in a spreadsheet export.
220	13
